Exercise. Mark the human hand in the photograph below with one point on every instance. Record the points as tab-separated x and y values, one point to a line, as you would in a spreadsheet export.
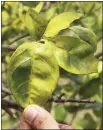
35	117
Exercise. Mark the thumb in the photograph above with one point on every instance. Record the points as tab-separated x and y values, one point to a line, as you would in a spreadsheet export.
36	117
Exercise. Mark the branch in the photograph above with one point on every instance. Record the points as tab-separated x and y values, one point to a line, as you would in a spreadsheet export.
8	111
7	48
6	24
101	59
99	55
59	100
2	7
18	38
5	90
10	104
11	48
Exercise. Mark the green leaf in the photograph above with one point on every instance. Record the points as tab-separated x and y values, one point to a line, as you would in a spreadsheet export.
33	74
85	34
85	120
59	22
35	23
90	22
74	55
49	13
87	7
90	89
31	4
60	113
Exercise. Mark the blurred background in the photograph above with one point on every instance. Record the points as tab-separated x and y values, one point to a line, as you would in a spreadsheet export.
87	87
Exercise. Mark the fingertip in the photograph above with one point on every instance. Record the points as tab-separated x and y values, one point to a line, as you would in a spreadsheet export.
39	118
29	113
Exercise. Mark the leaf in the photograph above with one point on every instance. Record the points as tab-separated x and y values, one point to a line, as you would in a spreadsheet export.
35	24
90	89
90	22
49	13
89	123
85	34
39	7
74	55
30	4
60	113
84	120
87	7
59	22
33	74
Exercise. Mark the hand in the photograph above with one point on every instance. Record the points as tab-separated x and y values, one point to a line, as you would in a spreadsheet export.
35	117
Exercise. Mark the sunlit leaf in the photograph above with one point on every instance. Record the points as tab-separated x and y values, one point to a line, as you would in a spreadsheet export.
5	16
35	24
39	7
59	22
33	74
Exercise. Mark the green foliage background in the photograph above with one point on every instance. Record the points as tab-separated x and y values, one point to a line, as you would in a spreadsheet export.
88	87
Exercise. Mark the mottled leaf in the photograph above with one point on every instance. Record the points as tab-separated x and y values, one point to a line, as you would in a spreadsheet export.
59	22
33	74
85	34
74	55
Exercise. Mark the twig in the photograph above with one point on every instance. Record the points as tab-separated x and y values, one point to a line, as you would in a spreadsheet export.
3	4
10	104
99	55
8	111
61	95
11	48
56	100
6	24
8	48
18	38
101	59
5	90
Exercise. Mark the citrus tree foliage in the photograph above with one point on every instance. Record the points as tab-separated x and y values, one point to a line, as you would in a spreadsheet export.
53	48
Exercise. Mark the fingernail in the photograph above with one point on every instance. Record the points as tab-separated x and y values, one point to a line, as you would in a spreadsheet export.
30	113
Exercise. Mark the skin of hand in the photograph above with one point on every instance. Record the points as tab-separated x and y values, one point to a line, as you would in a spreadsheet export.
35	117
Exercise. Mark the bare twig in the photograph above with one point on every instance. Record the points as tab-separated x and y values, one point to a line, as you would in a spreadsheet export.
10	104
6	24
99	55
3	5
61	95
5	90
56	100
13	48
18	38
101	59
8	111
6	48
